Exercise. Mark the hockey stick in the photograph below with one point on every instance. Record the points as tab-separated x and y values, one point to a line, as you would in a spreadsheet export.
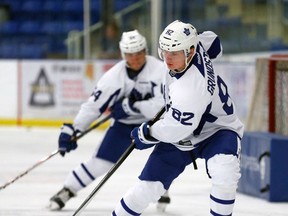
55	152
114	168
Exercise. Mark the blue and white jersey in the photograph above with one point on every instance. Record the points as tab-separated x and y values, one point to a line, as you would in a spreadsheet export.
211	43
116	84
197	101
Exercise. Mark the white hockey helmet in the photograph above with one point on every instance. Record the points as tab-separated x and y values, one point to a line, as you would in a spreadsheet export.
132	42
178	36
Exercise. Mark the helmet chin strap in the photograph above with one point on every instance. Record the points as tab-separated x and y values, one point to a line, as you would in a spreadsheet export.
187	62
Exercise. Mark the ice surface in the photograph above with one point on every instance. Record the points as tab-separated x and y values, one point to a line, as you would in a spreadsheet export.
21	148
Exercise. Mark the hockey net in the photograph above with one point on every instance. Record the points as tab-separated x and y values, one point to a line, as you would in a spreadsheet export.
269	107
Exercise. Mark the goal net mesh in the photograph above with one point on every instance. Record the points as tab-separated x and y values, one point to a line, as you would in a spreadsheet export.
269	107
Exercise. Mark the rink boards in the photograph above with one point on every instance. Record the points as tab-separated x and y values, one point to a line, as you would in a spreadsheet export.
264	166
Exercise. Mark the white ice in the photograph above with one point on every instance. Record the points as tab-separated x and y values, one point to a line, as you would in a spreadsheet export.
21	148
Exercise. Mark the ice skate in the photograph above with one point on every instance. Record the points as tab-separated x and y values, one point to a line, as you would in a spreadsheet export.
163	202
57	202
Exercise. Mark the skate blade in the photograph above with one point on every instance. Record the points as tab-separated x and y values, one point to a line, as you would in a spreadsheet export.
53	206
161	207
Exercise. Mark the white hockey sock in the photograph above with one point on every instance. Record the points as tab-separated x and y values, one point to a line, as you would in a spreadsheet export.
225	173
86	173
221	203
137	199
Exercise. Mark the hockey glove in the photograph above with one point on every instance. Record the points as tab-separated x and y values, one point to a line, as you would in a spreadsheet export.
65	142
122	109
142	138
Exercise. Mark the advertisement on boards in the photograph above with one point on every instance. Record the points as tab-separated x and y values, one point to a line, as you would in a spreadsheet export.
56	89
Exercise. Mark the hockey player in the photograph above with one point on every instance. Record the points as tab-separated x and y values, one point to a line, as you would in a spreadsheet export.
199	122
132	89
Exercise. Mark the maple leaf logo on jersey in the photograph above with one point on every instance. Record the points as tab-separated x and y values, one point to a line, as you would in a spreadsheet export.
169	32
186	31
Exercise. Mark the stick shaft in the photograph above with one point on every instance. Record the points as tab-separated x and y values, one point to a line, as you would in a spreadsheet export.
31	168
94	126
114	168
54	153
107	176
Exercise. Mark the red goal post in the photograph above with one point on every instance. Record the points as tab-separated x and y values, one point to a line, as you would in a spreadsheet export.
269	107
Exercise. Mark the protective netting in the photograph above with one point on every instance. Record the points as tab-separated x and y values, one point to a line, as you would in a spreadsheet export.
281	97
269	107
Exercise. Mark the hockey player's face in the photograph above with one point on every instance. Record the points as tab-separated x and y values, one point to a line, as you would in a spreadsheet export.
136	60
175	60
